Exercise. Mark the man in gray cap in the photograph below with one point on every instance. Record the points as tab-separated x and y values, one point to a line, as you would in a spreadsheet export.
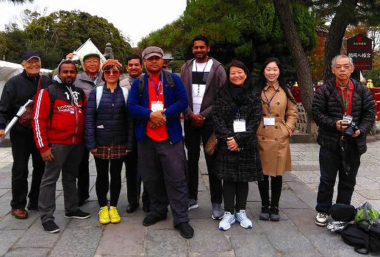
17	91
157	102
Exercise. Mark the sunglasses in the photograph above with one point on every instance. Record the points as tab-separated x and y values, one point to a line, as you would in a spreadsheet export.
109	72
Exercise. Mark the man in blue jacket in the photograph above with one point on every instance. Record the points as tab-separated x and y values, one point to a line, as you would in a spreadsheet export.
156	103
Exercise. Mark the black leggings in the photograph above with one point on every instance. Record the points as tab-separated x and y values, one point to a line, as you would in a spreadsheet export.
102	182
276	187
232	189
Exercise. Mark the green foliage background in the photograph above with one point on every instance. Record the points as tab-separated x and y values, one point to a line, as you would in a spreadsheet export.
245	29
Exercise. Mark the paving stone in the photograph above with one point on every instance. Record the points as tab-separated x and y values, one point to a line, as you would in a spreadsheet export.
77	242
303	192
8	238
330	244
3	192
122	239
290	200
208	238
5	180
303	219
30	252
370	194
216	254
166	243
253	193
11	223
284	236
255	245
302	254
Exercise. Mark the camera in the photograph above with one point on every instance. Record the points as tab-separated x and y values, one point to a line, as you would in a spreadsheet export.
351	129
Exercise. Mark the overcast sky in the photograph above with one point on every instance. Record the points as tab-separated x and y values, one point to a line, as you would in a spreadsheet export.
135	19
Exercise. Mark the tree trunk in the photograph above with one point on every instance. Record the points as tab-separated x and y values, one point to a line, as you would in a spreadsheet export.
335	36
300	60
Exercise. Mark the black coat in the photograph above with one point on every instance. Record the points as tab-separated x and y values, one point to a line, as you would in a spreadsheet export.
17	91
327	110
109	124
245	165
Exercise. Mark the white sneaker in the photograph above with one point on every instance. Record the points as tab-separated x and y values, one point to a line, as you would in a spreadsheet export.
193	204
321	219
227	220
242	218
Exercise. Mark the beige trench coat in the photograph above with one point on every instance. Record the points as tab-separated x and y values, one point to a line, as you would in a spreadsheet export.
274	140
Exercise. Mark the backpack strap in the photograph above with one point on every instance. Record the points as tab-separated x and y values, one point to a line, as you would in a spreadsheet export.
52	95
98	95
169	79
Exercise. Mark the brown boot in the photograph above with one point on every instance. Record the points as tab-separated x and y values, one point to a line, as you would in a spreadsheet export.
19	213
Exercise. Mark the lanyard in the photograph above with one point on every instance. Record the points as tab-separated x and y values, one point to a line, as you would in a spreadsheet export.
157	86
203	71
345	101
269	101
239	113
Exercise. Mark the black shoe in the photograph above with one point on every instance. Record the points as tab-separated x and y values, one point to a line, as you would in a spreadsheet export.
50	227
78	214
264	215
132	207
32	206
152	219
274	214
146	207
185	230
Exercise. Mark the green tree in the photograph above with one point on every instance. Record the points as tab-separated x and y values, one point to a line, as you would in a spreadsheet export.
60	33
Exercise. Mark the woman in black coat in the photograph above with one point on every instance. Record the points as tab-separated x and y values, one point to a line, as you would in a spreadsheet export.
236	115
108	137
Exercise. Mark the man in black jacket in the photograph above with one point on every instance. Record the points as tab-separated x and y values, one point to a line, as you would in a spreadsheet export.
344	110
17	91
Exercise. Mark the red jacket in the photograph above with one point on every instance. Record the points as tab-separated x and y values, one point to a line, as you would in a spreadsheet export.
64	124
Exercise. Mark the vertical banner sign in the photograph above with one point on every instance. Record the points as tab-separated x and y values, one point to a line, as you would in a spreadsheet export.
359	48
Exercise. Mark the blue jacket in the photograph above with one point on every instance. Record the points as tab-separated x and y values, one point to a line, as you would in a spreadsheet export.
109	124
175	102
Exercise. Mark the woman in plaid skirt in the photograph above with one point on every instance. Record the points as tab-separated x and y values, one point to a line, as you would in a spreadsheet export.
108	135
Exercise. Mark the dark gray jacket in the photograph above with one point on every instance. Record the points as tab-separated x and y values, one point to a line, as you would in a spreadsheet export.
327	110
215	81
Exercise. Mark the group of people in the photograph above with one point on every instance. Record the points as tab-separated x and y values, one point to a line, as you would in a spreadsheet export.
136	119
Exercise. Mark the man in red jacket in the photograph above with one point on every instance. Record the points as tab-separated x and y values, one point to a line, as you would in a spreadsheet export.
58	132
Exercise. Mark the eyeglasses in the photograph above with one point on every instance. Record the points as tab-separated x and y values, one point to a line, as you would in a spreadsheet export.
109	72
69	71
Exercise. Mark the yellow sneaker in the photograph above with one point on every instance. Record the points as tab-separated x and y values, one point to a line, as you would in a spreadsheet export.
114	215
104	217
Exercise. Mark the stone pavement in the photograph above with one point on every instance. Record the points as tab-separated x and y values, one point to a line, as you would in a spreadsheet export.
295	235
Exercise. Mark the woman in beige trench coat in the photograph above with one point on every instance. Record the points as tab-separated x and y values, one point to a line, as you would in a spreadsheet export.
277	125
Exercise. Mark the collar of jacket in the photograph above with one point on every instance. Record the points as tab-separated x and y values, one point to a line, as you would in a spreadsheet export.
275	86
85	77
33	79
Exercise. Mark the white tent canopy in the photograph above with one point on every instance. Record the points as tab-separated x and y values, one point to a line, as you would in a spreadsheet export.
87	48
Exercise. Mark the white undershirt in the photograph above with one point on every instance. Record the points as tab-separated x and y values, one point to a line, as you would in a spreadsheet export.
198	90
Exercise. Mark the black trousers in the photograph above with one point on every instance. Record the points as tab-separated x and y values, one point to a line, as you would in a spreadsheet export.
162	167
134	180
102	181
193	137
83	182
235	190
330	164
22	147
276	187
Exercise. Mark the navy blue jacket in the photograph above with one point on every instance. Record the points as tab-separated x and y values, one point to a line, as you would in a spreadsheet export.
175	102
109	124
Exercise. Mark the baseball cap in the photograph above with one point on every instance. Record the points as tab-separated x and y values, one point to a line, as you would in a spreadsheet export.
28	55
152	51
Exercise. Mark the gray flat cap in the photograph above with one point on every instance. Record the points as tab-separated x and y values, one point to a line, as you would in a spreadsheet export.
152	51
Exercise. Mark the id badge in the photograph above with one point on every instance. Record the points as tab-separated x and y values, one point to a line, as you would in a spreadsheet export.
347	118
269	121
239	126
157	106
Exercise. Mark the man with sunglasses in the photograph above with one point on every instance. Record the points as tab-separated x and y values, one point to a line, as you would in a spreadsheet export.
90	78
58	127
17	91
161	157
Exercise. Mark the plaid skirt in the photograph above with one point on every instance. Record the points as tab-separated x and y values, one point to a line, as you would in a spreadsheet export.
111	152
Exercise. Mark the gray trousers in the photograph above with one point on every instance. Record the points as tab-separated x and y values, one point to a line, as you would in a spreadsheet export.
162	168
67	159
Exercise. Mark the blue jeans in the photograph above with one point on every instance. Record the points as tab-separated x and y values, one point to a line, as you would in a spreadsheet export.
330	163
